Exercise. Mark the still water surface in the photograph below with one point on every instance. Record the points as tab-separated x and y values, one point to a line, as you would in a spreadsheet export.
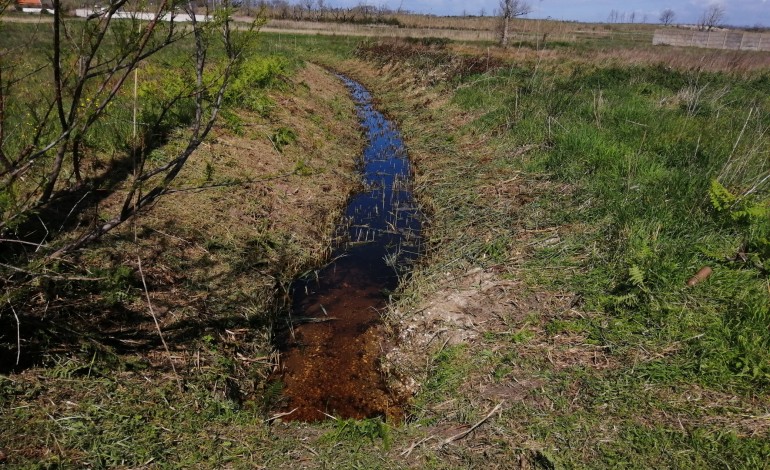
331	348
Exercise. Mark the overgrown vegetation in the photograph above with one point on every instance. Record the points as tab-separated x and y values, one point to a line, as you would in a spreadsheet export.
72	133
610	185
215	253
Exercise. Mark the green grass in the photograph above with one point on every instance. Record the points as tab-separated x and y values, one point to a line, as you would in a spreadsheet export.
641	153
646	174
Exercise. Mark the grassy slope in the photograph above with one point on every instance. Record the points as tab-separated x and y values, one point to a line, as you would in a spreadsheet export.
100	390
589	185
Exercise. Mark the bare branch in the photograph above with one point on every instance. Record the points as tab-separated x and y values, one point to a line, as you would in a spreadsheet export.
206	112
712	17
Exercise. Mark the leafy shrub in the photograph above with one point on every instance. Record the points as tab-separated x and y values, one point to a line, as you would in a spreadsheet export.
749	217
254	76
283	137
164	99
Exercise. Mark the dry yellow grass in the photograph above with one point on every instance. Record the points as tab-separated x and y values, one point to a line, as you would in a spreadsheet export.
678	58
466	29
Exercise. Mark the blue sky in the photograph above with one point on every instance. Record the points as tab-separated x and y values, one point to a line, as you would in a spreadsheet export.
739	12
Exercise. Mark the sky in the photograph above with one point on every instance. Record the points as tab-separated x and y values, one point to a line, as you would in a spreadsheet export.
738	12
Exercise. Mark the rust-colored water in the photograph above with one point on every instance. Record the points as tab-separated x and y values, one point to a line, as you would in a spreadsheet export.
331	346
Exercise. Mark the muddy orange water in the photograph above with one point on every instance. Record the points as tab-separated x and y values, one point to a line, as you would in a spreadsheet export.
332	342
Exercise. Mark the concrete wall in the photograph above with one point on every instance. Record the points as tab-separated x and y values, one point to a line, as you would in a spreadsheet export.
180	17
733	40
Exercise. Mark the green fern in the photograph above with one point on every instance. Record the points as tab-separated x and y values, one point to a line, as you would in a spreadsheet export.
739	209
751	214
272	394
620	301
721	199
636	276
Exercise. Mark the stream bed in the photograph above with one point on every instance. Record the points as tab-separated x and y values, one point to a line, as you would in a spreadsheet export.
333	341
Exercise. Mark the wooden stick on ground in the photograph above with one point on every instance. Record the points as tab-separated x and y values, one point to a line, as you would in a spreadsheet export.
280	415
461	435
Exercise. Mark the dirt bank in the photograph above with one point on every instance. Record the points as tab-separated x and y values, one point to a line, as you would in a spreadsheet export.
215	262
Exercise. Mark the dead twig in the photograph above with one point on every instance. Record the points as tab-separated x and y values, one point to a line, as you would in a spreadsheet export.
18	333
33	274
519	151
303	320
327	415
414	445
10	240
461	435
279	415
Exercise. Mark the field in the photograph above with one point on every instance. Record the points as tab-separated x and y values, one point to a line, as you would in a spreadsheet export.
596	291
472	29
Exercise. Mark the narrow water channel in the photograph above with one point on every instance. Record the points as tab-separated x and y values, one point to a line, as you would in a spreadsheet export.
332	345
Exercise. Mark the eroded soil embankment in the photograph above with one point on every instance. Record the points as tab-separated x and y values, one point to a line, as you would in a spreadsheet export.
213	261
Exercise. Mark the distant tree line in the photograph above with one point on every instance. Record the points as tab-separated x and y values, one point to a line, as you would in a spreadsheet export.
319	10
712	17
616	16
297	10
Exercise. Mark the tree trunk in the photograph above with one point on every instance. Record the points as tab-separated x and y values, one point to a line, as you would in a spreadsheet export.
53	175
504	39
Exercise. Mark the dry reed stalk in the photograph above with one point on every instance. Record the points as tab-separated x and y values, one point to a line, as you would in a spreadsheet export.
408	451
279	415
18	334
157	325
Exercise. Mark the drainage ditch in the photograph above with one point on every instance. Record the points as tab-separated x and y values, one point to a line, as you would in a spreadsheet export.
333	340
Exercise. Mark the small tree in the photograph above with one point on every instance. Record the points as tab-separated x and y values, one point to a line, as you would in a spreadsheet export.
667	16
712	17
45	157
511	9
